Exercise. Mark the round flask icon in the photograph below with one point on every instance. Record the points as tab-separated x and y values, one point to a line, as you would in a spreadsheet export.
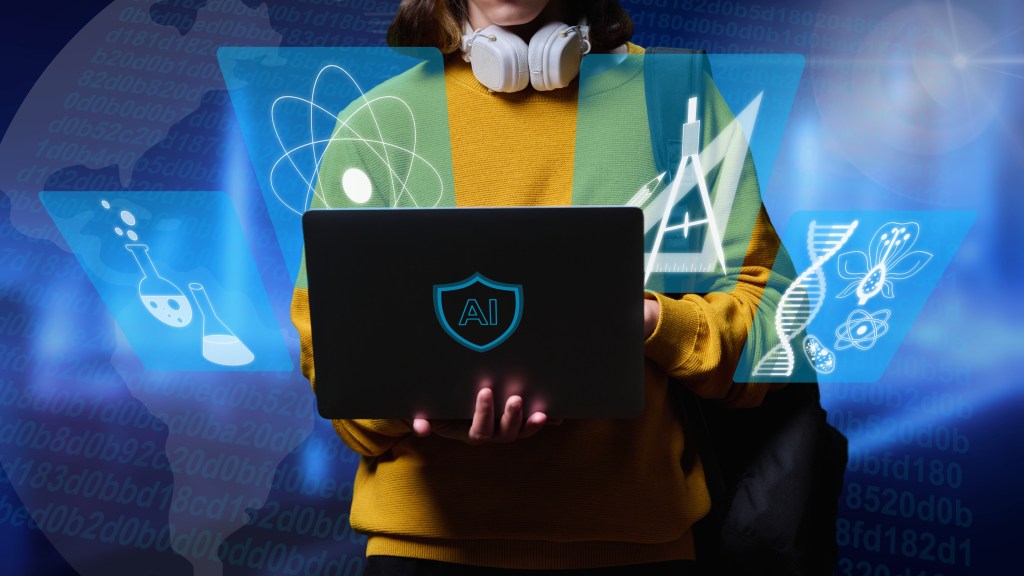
165	301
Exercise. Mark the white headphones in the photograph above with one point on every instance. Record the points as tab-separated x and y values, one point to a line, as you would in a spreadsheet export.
503	62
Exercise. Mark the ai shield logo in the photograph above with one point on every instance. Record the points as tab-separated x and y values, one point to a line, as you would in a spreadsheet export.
478	312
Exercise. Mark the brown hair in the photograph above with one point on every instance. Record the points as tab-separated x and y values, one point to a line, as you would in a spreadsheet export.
439	23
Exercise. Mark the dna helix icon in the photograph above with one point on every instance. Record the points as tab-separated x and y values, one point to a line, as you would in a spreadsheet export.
803	299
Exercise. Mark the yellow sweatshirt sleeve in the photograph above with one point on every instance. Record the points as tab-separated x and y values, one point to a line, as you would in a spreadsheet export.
365	437
699	338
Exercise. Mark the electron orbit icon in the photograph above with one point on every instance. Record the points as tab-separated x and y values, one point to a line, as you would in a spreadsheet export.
862	329
305	158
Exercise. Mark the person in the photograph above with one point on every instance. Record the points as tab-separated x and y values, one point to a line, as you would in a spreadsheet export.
513	491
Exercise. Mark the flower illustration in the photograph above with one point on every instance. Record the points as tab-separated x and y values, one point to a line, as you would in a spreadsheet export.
889	257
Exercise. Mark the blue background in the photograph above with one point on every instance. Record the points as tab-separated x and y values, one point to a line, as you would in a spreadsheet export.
846	148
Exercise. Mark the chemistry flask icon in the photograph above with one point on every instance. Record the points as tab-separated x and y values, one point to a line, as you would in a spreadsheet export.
220	345
160	297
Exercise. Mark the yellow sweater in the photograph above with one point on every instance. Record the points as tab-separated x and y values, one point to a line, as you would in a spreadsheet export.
586	493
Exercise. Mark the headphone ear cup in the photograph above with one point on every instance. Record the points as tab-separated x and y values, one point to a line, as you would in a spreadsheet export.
500	60
554	56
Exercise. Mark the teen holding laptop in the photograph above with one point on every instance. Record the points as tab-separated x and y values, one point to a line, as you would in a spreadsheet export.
511	490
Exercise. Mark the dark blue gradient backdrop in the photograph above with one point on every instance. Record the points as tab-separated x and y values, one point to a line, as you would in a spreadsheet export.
110	469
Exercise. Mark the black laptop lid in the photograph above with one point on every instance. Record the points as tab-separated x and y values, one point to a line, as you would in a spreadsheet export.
413	311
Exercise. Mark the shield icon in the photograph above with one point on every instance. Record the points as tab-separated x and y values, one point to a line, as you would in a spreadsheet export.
478	312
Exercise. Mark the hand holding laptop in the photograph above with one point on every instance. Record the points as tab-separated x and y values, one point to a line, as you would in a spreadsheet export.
511	427
480	429
652	311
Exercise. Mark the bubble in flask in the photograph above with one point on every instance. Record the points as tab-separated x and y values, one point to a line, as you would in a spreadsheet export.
172	310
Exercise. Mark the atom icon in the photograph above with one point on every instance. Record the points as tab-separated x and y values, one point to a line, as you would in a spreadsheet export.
862	329
306	157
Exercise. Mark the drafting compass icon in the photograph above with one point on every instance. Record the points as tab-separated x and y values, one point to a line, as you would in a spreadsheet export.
728	151
691	158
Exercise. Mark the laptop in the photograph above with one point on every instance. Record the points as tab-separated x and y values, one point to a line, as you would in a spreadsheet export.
414	310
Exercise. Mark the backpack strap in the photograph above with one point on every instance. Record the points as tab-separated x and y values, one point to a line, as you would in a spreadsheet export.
760	464
666	86
707	530
668	82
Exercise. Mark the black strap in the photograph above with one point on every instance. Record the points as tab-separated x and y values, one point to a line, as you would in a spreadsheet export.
667	84
697	431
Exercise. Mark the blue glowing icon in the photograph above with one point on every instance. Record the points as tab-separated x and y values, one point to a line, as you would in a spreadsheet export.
890	260
485	312
472	312
177	275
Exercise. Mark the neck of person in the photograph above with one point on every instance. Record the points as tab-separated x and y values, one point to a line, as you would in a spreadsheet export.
554	11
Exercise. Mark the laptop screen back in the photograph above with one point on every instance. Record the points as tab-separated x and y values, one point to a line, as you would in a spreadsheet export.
413	311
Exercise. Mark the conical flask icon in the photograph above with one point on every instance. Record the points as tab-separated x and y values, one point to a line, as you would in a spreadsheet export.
165	301
220	345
